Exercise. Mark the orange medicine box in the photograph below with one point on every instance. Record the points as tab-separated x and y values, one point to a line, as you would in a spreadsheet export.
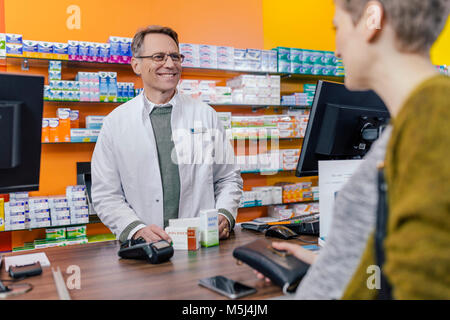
193	239
53	124
45	131
64	124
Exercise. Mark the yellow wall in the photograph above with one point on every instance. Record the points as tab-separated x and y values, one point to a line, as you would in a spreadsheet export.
307	24
302	24
440	52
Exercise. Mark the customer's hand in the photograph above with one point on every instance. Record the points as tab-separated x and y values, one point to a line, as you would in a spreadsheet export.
296	250
152	233
224	227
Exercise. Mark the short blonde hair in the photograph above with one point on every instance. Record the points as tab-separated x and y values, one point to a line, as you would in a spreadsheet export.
417	23
139	37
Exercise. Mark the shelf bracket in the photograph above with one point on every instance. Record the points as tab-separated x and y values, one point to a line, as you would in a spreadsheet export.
25	65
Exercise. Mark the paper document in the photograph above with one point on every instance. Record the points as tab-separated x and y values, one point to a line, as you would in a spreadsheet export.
25	259
332	177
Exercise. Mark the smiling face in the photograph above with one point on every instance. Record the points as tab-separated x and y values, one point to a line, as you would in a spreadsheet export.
158	76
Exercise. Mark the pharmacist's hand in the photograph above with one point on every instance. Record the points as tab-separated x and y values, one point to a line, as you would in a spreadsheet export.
152	233
296	250
224	227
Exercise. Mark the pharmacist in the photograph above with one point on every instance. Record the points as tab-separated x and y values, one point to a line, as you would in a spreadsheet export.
156	155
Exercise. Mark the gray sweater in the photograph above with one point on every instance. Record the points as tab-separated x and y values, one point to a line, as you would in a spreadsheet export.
353	219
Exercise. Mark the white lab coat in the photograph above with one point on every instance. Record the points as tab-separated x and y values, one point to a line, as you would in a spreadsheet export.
126	180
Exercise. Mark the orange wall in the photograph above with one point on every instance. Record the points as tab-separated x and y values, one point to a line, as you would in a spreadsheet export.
200	21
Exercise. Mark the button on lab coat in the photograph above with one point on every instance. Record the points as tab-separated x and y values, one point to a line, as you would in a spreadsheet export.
126	179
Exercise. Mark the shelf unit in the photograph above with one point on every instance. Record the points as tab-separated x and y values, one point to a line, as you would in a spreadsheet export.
93	218
27	62
290	83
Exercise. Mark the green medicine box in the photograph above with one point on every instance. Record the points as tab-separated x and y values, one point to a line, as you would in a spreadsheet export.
76	232
55	233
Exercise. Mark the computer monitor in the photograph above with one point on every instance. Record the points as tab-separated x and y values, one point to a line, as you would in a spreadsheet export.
342	125
21	106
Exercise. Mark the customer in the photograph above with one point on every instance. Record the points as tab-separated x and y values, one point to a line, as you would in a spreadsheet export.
154	157
385	47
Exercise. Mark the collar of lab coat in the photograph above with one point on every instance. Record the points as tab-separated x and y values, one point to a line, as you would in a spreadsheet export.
149	106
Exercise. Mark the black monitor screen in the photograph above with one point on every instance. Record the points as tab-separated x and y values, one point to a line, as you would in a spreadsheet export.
342	125
21	105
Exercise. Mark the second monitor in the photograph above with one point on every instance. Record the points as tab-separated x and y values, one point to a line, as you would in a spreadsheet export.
342	125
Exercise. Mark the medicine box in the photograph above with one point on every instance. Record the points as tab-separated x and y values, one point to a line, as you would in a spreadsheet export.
55	233
74	232
209	228
12	50
84	135
94	122
184	238
2	45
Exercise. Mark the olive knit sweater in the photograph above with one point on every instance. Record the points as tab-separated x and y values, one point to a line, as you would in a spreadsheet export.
417	244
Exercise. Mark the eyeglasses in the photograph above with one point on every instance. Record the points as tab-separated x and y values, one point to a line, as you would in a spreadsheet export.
162	57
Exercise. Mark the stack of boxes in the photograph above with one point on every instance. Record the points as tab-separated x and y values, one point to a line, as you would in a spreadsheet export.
289	159
265	162
125	91
255	90
309	62
310	90
108	86
59	129
282	212
265	127
208	56
24	212
12	45
54	70
61	236
59	211
16	214
205	90
297	192
88	51
62	90
120	49
40	49
89	83
39	212
77	201
304	98
261	196
228	58
191	233
225	58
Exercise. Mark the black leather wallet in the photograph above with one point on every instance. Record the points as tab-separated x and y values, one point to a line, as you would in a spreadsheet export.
280	267
29	270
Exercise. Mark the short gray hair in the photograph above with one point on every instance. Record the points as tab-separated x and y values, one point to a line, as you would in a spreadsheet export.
139	37
417	23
